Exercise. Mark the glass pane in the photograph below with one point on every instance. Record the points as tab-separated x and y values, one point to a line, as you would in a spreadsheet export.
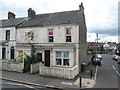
66	62
58	61
66	54
50	32
8	35
68	32
58	53
68	38
50	38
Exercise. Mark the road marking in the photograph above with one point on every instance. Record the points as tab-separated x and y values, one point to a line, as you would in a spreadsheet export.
116	71
67	83
28	86
17	84
12	84
96	72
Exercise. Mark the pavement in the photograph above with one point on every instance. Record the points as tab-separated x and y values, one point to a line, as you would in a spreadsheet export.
55	83
88	77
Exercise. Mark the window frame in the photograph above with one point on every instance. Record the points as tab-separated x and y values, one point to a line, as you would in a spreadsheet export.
50	35
7	35
63	58
68	34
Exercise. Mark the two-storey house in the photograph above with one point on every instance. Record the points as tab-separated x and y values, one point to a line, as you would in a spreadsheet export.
59	39
8	37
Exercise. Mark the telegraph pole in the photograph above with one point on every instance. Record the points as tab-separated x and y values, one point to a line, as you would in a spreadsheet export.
97	43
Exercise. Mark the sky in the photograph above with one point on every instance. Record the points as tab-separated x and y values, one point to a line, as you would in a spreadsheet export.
101	15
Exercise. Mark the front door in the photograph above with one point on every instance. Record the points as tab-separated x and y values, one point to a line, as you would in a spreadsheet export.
12	52
47	58
3	53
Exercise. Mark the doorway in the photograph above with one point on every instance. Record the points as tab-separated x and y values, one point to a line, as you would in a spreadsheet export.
47	58
12	52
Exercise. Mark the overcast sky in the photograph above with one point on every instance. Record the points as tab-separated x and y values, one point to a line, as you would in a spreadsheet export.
101	15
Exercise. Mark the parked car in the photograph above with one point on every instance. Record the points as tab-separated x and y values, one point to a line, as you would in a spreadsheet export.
99	56
115	57
97	61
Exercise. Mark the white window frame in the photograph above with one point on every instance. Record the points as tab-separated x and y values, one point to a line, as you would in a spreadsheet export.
50	35
62	58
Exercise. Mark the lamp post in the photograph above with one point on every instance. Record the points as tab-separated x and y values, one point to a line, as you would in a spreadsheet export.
96	42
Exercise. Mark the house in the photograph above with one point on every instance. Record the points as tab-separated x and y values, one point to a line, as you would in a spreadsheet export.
59	39
8	36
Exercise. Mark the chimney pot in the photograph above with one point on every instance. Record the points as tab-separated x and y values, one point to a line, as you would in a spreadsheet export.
81	8
31	13
11	15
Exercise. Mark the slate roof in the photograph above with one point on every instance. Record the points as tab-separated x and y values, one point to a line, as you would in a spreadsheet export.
67	17
11	22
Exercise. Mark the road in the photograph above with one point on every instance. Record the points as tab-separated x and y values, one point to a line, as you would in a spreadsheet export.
6	85
108	74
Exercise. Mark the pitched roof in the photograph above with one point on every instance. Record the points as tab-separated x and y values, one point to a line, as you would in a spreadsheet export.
11	22
67	17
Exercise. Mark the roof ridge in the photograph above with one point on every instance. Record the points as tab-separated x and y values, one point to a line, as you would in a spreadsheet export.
57	12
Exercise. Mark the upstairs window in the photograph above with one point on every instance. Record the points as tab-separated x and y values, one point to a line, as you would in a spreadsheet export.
7	35
50	35
68	34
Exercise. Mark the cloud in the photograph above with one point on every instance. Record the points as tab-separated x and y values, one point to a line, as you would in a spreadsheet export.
102	37
101	15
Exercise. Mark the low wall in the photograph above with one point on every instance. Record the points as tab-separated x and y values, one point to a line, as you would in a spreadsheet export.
12	67
34	68
61	72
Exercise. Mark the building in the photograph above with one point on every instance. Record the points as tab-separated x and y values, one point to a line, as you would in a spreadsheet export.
101	47
8	37
59	39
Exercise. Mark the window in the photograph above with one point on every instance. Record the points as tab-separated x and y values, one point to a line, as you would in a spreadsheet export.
66	58
8	35
68	38
68	34
3	53
50	35
58	58
62	58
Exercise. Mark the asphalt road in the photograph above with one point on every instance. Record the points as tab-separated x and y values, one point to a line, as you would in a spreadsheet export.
108	74
9	85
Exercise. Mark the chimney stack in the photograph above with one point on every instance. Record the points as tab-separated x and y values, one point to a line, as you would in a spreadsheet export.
81	8
11	15
31	13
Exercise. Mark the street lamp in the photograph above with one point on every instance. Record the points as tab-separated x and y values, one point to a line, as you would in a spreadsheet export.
96	42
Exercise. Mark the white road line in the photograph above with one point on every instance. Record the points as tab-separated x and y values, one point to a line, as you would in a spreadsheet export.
116	71
114	68
18	84
13	84
28	86
96	72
